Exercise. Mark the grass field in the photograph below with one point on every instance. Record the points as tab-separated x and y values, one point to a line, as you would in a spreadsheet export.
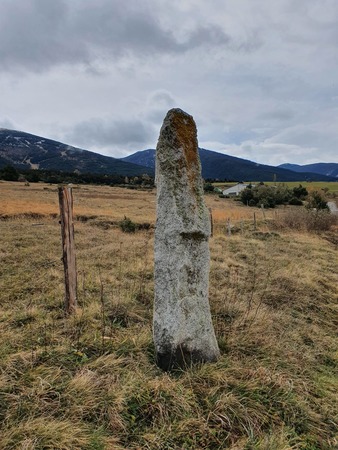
103	203
331	187
90	382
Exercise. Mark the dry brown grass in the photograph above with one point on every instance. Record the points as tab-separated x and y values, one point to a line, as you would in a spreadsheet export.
107	202
103	201
301	219
90	381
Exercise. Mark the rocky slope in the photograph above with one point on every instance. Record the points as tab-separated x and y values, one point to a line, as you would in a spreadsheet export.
27	151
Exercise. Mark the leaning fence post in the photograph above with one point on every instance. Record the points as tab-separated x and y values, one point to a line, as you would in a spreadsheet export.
68	248
229	227
211	223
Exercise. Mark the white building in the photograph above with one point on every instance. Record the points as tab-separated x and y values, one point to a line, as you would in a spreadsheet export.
234	191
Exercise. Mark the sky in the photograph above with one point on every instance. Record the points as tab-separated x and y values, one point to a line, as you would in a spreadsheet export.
260	77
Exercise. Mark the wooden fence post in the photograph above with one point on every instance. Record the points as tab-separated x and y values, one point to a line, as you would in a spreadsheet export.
211	223
68	248
229	227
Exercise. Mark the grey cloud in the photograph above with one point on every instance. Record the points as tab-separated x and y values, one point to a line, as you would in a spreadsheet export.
278	115
205	35
6	123
101	133
259	77
121	28
37	35
265	152
319	135
163	98
159	102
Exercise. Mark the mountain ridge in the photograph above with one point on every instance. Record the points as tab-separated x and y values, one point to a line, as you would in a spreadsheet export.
28	151
328	169
220	166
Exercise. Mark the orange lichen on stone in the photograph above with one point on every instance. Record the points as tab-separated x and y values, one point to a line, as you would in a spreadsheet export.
186	136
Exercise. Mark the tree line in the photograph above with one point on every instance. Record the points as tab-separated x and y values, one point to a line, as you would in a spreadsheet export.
271	196
10	173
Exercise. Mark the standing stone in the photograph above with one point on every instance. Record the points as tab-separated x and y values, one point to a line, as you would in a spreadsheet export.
183	330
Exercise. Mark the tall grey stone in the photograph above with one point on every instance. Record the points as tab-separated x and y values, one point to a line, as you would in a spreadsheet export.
183	330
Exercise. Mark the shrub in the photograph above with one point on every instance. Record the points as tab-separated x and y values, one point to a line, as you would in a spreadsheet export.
268	196
127	225
33	177
306	220
208	187
143	226
9	173
295	201
247	197
316	200
300	192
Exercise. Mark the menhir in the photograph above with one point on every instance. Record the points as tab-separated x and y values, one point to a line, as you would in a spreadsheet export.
183	330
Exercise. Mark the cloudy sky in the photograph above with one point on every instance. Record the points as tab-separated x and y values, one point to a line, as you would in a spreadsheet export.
260	77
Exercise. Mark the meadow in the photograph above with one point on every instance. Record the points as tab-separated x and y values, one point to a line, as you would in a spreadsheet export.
331	188
90	381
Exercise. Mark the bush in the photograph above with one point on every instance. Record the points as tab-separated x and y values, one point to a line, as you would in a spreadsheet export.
208	187
271	196
300	192
306	220
261	195
9	173
295	201
247	197
33	177
317	201
127	225
143	226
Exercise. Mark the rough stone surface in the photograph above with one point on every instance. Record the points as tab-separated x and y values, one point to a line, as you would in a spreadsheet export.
183	330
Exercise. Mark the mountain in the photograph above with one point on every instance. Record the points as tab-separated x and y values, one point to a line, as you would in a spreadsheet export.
143	157
27	151
219	166
328	169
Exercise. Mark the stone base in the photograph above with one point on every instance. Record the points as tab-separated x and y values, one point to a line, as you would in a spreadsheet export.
182	358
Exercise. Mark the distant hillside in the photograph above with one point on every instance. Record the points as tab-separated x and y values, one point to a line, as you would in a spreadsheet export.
219	166
143	157
27	151
328	169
